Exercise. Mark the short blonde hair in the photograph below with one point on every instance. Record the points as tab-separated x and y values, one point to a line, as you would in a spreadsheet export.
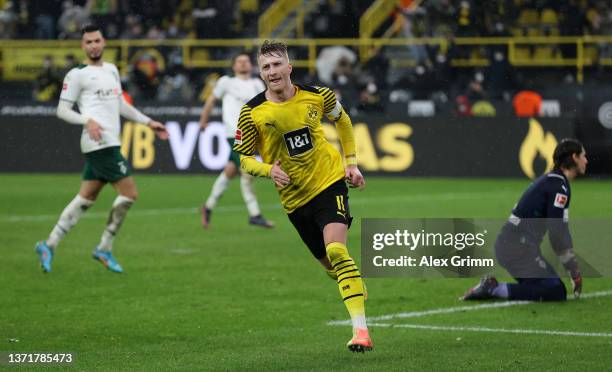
274	48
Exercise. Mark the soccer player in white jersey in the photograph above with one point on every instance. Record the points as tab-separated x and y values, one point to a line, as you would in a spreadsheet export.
96	89
234	92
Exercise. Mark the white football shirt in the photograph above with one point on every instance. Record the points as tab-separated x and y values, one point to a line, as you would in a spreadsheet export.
97	92
235	92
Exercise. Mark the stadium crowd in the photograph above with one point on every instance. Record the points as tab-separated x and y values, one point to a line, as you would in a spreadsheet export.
367	86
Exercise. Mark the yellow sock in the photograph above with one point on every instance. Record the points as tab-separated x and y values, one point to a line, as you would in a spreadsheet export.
349	282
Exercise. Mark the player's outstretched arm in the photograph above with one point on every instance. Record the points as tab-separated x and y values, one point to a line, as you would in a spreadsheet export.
159	129
206	110
251	165
274	171
132	113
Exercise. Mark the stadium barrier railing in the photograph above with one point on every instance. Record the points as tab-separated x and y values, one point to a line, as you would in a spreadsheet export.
21	59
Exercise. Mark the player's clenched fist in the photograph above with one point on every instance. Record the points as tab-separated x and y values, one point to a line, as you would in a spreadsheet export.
354	177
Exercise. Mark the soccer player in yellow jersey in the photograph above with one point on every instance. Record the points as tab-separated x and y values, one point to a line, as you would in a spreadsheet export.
284	124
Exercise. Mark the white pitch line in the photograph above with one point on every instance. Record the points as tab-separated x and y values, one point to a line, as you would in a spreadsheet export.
240	207
456	309
493	330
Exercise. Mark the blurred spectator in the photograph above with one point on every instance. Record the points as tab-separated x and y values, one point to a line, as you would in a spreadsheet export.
73	18
213	18
44	14
46	85
420	83
370	98
441	16
155	33
501	77
132	28
145	76
465	20
441	78
475	88
175	84
573	22
333	60
418	51
499	30
343	19
111	30
154	11
70	62
8	21
462	106
378	68
173	31
104	14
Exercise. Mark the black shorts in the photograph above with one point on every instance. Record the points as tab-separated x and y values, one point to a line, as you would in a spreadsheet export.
521	257
331	205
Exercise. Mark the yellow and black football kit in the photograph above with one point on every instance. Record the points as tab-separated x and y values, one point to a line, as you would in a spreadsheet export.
291	132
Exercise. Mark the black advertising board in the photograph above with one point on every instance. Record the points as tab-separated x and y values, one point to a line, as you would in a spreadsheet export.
440	146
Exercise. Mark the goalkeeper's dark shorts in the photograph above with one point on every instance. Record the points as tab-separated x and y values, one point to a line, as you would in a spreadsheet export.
521	257
329	206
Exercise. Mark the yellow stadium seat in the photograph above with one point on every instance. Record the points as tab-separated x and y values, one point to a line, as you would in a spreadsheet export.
549	17
522	53
248	6
528	17
200	54
551	31
544	53
591	54
517	31
534	31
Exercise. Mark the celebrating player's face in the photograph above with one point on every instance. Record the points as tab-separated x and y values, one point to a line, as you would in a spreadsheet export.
275	71
93	45
242	65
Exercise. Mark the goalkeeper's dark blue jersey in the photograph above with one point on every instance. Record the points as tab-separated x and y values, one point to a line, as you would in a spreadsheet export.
543	207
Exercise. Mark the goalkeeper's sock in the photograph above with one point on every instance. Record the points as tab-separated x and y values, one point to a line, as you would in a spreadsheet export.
218	189
121	205
69	217
501	291
349	283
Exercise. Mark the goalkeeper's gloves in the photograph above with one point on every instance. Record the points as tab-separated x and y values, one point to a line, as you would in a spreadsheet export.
568	258
576	283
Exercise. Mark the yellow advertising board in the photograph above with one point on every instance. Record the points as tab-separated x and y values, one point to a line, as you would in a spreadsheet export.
23	63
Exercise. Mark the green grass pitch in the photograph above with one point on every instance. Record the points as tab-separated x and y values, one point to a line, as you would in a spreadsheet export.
237	297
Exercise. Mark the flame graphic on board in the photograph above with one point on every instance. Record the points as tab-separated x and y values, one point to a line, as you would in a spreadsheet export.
536	142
